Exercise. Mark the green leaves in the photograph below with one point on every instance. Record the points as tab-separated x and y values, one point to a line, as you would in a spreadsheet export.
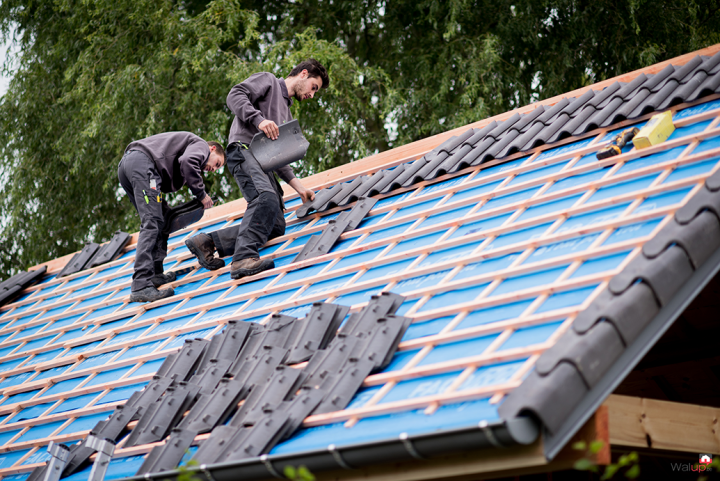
96	74
298	474
629	462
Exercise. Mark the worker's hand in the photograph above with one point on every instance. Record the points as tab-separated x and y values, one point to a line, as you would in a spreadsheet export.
270	128
306	194
207	202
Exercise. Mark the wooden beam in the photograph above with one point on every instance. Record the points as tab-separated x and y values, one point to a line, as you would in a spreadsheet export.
650	423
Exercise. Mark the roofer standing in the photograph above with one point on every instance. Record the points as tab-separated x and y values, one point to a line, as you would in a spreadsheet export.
151	167
260	103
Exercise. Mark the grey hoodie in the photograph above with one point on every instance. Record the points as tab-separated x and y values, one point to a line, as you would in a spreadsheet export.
179	158
261	96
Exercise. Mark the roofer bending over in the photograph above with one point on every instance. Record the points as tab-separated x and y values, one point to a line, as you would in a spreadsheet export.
153	166
260	103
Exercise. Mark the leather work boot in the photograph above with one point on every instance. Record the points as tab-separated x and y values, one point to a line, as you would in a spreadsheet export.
150	294
203	247
162	279
250	267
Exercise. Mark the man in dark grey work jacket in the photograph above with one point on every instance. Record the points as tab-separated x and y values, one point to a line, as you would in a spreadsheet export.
260	103
153	166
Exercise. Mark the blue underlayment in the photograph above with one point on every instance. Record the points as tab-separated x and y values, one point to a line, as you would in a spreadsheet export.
534	174
457	350
568	298
429	189
509	298
427	328
547	208
39	456
689	170
707	144
473	192
451	215
387	427
564	149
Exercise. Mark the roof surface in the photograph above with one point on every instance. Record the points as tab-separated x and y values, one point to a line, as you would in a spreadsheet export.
497	261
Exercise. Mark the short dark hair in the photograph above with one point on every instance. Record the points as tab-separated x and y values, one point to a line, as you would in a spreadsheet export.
219	149
314	68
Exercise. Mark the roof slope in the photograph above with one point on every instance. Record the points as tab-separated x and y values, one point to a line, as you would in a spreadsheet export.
507	267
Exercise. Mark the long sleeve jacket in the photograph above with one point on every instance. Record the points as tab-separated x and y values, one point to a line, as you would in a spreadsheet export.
261	97
179	158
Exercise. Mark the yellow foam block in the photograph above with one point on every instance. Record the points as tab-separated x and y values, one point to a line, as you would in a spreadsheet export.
657	130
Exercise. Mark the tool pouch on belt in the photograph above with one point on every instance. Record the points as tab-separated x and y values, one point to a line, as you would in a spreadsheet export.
182	216
290	146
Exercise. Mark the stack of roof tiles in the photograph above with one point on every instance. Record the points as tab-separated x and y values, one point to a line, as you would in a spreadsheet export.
497	263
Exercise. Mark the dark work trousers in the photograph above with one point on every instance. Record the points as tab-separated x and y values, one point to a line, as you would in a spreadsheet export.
263	218
137	173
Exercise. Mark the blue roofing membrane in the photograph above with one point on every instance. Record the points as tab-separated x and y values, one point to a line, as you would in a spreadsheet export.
494	262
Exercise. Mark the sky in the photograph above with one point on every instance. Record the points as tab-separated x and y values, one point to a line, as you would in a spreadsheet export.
4	81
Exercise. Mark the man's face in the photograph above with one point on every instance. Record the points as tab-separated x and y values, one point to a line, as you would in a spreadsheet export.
307	87
214	162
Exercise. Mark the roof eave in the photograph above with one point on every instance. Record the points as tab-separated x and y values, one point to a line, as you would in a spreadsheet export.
521	431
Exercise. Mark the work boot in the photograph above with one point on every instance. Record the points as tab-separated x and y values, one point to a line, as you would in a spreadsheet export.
250	267
151	294
203	247
162	279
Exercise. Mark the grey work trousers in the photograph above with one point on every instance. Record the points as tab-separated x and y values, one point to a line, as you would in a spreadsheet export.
137	175
263	218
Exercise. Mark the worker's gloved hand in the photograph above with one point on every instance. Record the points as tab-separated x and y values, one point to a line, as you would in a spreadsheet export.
270	129
207	202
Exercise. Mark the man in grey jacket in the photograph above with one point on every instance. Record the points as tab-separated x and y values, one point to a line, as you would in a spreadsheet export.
260	103
151	167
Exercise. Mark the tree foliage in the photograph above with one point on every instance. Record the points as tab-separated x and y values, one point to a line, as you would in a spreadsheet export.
93	75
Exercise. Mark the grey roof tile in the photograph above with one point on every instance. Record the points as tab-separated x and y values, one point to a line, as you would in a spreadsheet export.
665	273
503	127
453	163
581	123
708	87
343	193
664	90
609	114
637	100
11	287
407	172
389	176
591	353
705	199
549	405
699	238
629	312
366	186
506	143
